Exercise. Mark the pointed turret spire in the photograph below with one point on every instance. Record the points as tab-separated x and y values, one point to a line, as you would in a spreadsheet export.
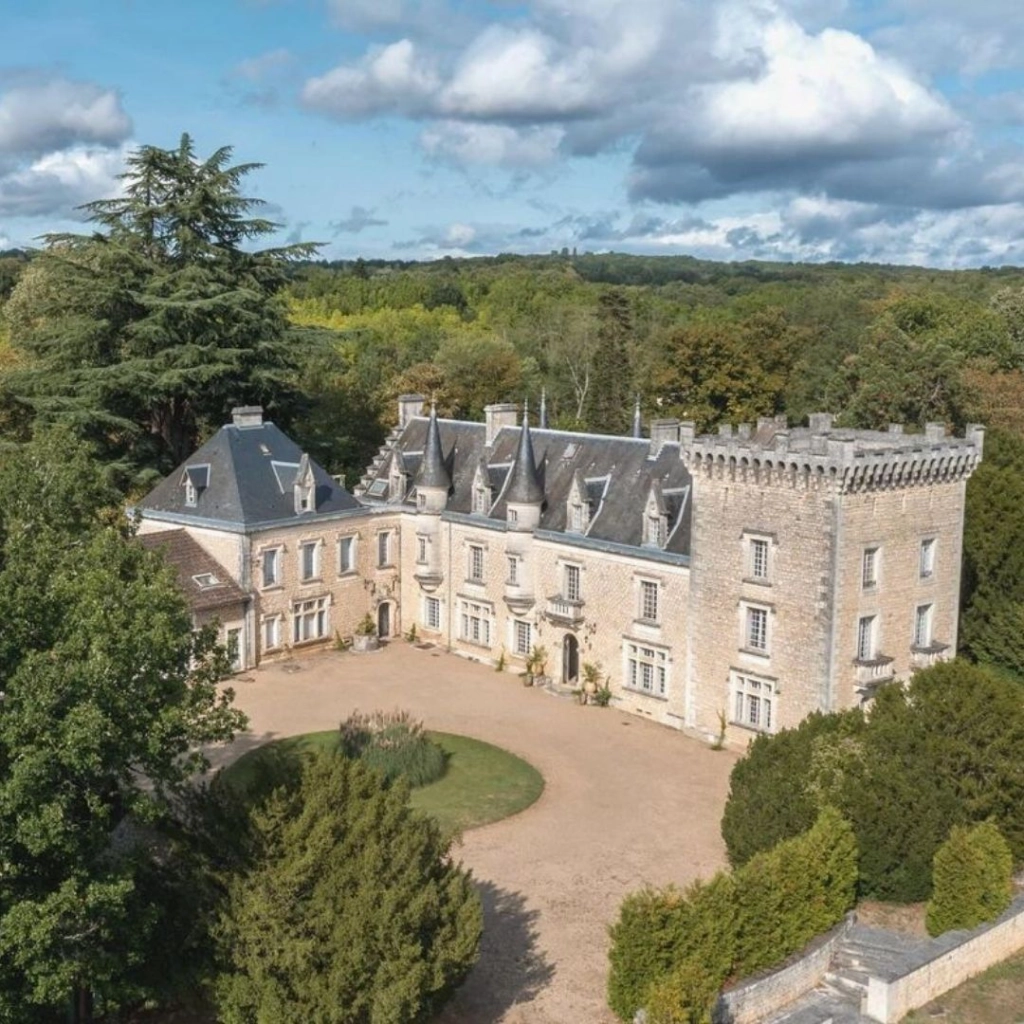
637	421
525	487
433	472
542	420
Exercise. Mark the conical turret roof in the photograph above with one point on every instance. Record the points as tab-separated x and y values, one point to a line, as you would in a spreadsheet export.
525	487
432	471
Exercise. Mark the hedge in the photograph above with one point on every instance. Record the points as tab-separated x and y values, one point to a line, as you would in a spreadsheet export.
973	875
669	946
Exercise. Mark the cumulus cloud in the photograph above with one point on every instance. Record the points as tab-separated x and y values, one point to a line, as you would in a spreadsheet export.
56	183
38	117
358	220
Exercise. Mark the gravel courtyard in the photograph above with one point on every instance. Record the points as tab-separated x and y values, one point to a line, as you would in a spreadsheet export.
625	802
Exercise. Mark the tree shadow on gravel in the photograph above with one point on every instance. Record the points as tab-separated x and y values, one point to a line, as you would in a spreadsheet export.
511	970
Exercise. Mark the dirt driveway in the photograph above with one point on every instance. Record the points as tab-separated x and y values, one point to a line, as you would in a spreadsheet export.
625	802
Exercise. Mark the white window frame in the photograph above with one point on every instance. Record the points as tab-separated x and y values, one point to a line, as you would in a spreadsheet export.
431	617
755	639
271	632
646	669
923	616
422	549
649	601
384	554
191	494
347	542
475	625
926	559
513	570
481	500
278	556
870	560
315	573
753	702
311	619
475	561
867	637
655	530
522	637
760	559
572	582
577	520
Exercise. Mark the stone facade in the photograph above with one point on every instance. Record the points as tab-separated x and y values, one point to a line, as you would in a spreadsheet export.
725	584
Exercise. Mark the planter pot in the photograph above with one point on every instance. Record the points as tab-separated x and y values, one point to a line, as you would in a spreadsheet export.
527	679
362	643
590	689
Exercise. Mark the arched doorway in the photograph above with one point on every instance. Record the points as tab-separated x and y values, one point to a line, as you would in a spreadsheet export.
570	659
384	620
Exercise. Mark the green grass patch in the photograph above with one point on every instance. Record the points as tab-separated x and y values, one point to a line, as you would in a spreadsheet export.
482	784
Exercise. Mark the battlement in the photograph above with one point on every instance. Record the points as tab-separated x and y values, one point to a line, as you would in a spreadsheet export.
842	459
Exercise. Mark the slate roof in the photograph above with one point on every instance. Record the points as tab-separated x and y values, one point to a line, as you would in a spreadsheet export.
617	473
247	475
205	583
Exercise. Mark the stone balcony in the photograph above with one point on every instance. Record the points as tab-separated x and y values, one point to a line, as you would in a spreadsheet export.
565	611
932	654
519	598
428	577
873	673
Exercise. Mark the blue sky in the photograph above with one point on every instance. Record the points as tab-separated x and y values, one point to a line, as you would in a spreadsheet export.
883	130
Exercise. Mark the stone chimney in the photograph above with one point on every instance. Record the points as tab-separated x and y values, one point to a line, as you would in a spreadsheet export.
409	406
663	432
247	416
505	414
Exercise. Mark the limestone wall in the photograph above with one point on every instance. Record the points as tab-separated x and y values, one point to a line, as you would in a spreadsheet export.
890	1001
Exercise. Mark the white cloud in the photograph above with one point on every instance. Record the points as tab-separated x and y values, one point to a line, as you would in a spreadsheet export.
492	144
256	69
54	184
38	117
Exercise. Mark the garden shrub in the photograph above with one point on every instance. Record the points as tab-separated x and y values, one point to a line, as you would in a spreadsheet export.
973	877
687	995
790	894
394	744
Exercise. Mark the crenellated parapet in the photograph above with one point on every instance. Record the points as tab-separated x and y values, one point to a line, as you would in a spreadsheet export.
837	460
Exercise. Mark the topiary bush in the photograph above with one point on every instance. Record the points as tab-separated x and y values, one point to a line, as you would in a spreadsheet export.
687	995
394	744
973	879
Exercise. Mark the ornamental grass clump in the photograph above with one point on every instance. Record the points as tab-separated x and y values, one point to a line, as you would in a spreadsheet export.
394	744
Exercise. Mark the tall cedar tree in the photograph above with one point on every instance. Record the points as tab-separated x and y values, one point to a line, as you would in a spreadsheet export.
144	334
107	693
351	910
609	403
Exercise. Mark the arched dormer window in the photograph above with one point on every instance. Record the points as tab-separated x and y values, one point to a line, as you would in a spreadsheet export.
655	531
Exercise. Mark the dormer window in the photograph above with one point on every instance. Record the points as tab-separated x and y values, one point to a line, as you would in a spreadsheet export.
655	531
576	517
481	499
195	480
304	487
577	512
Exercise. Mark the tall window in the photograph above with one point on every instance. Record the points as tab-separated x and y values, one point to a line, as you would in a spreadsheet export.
648	600
753	703
346	555
309	559
927	559
757	629
431	613
476	563
513	569
421	549
271	567
271	632
522	637
866	638
383	549
309	619
923	625
758	558
647	669
481	499
476	623
576	517
656	530
513	515
573	584
191	495
869	569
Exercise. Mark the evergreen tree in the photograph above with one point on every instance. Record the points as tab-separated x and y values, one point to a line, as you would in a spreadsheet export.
351	910
609	402
144	334
107	694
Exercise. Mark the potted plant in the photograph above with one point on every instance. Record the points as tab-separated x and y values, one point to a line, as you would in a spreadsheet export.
365	637
537	666
591	678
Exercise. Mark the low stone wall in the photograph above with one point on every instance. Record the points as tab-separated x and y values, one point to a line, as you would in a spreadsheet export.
890	1001
754	999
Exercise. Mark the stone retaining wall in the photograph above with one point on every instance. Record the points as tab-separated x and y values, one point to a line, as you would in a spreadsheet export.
890	1001
756	998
